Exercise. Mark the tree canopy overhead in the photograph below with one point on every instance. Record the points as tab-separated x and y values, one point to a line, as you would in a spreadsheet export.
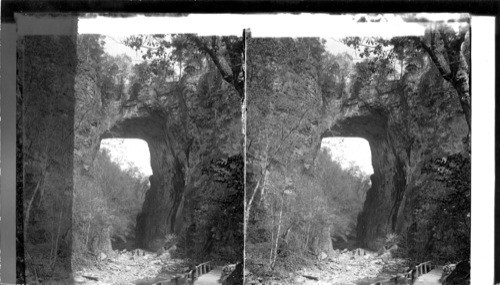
447	47
226	53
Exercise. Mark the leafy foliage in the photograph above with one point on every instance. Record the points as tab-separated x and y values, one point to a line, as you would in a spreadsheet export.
303	207
334	75
448	49
185	50
450	220
107	201
215	230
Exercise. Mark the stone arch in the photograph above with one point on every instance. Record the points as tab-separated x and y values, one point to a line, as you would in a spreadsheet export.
160	214
388	182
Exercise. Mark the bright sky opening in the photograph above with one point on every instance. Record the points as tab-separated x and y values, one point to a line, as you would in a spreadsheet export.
129	153
350	152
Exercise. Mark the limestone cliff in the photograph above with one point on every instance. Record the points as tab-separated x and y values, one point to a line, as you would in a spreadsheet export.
46	108
67	111
178	147
405	128
407	121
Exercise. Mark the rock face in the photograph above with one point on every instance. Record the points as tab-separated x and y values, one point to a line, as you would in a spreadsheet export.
405	122
388	180
174	148
323	244
403	132
45	103
460	275
162	202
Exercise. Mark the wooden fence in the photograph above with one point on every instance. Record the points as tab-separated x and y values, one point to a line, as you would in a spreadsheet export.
411	275
190	277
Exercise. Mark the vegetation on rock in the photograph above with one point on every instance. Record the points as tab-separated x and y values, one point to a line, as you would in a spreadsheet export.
409	97
183	100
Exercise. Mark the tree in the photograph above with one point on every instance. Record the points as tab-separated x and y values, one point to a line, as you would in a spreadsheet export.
107	201
334	74
215	229
446	209
448	49
225	52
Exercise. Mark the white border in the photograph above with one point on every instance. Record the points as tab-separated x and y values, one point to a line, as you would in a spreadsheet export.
483	149
261	25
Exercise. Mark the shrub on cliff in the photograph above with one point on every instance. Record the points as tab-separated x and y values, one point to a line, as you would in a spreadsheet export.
442	213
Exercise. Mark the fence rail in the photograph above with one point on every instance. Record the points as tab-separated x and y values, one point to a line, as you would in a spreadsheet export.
421	269
190	276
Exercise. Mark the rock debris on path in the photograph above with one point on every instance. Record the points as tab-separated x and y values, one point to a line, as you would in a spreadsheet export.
129	268
344	268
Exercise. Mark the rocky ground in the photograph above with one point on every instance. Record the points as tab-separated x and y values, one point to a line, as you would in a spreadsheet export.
132	267
345	268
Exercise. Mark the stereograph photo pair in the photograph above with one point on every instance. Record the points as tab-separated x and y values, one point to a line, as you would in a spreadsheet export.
272	160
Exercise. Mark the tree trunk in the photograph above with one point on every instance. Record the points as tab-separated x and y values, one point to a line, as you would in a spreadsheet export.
28	208
278	233
56	246
307	237
461	84
323	242
88	233
456	71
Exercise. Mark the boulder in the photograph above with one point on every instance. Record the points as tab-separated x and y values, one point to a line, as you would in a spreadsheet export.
386	256
448	268
393	247
79	279
172	249
102	256
460	275
235	277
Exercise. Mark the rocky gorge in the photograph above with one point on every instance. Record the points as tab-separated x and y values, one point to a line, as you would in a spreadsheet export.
413	119
70	102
